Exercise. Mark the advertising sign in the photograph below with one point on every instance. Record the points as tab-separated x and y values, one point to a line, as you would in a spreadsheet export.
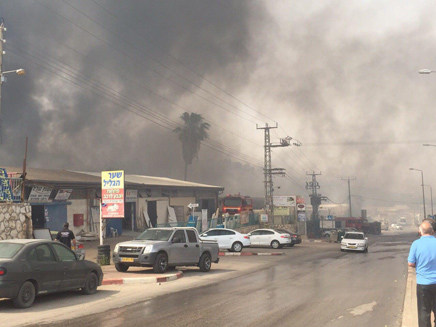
63	195
300	200
301	216
264	218
284	201
301	207
5	187
327	224
131	195
112	194
39	194
281	211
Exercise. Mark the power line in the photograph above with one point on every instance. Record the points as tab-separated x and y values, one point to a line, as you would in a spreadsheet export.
159	120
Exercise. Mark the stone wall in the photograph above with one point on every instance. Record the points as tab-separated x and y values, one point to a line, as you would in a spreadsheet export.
15	221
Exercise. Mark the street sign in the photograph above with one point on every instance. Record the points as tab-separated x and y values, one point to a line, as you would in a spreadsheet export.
193	205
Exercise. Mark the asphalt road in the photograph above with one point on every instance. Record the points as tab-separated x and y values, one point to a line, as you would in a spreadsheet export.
312	285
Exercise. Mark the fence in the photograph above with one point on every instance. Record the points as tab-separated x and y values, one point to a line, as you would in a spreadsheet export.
10	189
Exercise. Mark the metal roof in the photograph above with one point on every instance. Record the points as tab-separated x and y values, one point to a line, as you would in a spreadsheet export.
59	176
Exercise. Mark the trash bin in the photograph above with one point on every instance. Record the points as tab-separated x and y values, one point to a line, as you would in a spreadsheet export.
104	255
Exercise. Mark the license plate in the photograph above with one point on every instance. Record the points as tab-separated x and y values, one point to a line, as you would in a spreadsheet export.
352	247
127	259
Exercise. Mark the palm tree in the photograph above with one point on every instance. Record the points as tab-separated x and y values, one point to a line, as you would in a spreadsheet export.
191	134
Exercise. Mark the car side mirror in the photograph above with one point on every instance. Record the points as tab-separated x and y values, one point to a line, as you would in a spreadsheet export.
342	237
203	235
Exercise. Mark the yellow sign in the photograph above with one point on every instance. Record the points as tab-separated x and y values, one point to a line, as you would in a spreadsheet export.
281	211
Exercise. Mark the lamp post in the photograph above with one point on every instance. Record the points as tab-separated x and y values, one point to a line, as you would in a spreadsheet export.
431	199
423	194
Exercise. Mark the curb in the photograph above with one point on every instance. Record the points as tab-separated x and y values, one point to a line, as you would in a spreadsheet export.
410	310
248	253
145	280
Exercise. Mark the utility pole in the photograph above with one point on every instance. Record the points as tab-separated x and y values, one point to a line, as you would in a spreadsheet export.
315	199
268	170
349	191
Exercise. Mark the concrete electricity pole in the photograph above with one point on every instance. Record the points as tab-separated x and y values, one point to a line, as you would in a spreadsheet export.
315	199
268	171
349	192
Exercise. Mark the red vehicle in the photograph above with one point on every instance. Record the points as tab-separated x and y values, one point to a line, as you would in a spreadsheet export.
349	222
234	204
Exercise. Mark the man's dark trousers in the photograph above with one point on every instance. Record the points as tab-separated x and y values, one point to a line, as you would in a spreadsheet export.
426	295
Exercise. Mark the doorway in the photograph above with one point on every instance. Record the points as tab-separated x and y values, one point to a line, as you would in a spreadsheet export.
38	217
152	212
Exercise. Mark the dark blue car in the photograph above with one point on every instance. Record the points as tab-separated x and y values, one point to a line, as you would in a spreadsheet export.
30	267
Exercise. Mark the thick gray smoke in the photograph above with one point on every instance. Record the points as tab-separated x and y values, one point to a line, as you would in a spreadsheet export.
105	83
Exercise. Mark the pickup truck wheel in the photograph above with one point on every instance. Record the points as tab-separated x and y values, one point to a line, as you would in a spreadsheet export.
275	244
121	267
237	247
161	263
205	262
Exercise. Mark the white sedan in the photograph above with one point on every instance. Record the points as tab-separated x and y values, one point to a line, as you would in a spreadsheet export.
270	237
354	241
228	239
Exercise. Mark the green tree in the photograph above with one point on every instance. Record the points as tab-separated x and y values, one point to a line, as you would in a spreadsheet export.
193	131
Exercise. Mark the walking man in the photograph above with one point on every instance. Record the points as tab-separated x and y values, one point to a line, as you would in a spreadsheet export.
422	256
65	236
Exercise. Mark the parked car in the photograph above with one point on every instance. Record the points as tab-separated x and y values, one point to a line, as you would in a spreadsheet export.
354	241
29	267
47	234
295	238
270	237
227	239
161	248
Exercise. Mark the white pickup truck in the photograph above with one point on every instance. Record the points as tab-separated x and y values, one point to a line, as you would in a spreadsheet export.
161	248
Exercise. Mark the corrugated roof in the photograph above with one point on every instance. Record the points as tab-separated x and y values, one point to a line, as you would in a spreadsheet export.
42	175
159	181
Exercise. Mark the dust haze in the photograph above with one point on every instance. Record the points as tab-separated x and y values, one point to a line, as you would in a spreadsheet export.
106	83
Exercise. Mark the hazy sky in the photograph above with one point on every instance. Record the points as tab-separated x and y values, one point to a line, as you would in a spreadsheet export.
106	82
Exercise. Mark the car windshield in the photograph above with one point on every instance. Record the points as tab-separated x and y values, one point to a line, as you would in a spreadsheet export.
232	202
353	236
8	250
155	235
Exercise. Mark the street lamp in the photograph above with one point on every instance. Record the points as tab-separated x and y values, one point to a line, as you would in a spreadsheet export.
429	144
423	194
431	199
